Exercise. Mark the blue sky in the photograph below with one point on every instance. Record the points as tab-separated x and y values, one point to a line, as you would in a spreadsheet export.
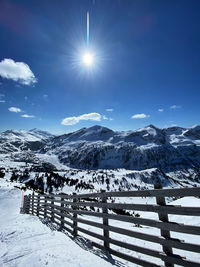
146	64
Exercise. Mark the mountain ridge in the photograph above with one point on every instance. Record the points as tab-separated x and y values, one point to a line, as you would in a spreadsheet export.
148	147
172	148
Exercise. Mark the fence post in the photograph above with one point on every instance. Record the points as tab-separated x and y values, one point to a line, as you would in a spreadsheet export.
62	217
75	223
164	218
105	221
52	209
45	206
38	204
24	204
27	204
32	206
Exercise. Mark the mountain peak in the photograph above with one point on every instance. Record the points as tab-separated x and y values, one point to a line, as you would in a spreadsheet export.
151	126
34	130
40	132
98	128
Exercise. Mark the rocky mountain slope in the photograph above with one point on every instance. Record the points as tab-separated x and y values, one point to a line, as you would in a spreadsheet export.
21	140
169	149
170	156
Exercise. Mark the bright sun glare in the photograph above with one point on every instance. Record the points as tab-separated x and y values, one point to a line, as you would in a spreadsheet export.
88	59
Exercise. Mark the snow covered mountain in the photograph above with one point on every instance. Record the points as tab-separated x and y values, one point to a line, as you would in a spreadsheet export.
169	149
20	140
140	158
98	147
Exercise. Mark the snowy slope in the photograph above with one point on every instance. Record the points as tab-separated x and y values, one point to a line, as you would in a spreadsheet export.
19	140
174	151
170	149
22	135
25	241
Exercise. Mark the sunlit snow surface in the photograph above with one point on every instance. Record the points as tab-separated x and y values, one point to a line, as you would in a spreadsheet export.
26	241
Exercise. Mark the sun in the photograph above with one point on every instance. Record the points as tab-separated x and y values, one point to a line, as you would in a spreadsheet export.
88	59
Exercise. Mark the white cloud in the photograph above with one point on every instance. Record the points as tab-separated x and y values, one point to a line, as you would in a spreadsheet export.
91	116
2	100
17	71
26	98
45	96
14	109
160	109
104	117
27	116
74	120
70	121
140	116
109	109
175	107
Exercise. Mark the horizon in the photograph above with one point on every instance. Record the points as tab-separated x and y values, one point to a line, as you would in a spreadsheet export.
97	125
145	64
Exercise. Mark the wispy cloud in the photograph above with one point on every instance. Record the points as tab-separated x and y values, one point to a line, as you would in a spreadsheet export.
2	100
27	116
14	109
74	120
17	71
175	107
110	109
140	116
45	96
106	118
161	109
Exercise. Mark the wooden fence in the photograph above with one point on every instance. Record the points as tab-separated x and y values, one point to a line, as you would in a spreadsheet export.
65	210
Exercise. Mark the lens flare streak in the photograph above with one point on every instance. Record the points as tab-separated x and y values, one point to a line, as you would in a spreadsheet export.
88	29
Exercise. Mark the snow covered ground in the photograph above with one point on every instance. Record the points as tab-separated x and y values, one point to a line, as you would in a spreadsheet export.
26	241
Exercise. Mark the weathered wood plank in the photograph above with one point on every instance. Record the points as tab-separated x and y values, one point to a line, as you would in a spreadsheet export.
180	192
151	238
64	215
170	209
176	259
68	230
172	259
57	217
64	227
170	226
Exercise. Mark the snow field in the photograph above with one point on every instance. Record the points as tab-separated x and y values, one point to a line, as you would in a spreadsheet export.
26	241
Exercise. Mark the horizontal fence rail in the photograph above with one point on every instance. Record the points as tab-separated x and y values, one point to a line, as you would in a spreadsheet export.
70	212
